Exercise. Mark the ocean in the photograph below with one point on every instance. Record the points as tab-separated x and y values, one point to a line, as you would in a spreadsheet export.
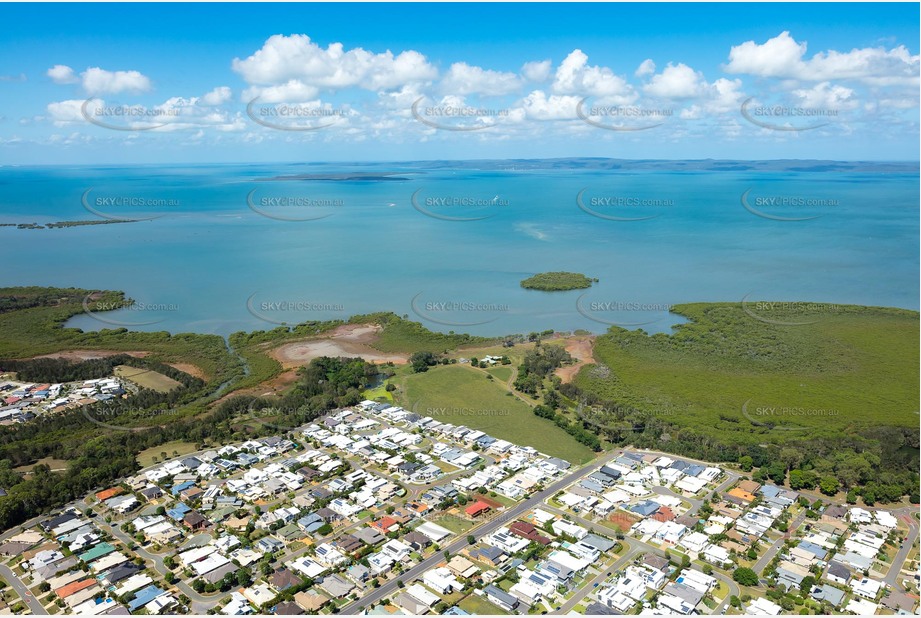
225	248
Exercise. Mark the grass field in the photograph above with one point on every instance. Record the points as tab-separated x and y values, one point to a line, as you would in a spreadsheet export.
500	373
53	464
463	396
476	604
746	380
172	449
146	378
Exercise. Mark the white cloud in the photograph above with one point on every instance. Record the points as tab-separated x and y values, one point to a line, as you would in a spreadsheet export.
218	96
463	79
537	71
575	77
647	67
98	81
783	57
539	106
725	95
292	91
62	74
826	96
65	112
285	58
676	82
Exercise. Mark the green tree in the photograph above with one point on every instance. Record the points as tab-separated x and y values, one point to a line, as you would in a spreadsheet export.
745	576
829	486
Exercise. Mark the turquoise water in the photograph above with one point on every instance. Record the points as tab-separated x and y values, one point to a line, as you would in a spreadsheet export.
210	263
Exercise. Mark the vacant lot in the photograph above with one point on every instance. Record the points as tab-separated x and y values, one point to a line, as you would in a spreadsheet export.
146	378
478	605
462	395
53	465
172	449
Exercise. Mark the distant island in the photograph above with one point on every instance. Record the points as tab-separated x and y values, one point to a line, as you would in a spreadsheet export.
346	177
557	282
56	224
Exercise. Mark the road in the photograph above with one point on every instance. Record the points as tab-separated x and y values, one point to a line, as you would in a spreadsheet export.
898	563
200	603
34	606
479	532
765	559
12	579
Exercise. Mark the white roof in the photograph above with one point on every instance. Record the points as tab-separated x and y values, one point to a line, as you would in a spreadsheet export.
433	531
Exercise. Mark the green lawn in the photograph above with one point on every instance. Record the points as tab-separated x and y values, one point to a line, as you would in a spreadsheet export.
463	396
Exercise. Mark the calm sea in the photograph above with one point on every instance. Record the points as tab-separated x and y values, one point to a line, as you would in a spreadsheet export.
225	248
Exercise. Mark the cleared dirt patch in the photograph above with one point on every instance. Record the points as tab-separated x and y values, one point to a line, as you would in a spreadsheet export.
193	370
580	348
347	340
276	386
622	521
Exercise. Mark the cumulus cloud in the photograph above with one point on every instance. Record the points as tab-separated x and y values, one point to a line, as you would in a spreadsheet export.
783	57
539	106
65	112
676	82
826	96
285	58
292	91
62	74
218	96
537	71
574	76
463	79
647	67
98	81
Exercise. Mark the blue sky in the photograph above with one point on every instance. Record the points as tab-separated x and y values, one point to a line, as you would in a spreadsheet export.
152	83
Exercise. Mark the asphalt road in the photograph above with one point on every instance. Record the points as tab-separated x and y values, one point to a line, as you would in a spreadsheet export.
34	606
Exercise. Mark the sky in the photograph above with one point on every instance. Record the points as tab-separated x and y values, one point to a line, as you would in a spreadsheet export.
212	83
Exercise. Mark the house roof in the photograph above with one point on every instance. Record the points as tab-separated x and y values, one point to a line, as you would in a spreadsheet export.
476	508
310	601
108	493
749	486
287	608
741	494
283	579
74	587
384	523
417	538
